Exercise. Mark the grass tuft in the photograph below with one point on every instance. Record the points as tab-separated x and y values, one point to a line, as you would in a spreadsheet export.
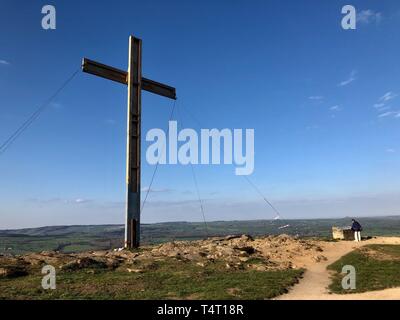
377	268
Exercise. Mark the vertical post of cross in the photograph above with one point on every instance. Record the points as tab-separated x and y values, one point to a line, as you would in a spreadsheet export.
132	78
133	152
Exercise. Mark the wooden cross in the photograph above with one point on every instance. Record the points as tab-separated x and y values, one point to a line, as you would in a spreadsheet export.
133	79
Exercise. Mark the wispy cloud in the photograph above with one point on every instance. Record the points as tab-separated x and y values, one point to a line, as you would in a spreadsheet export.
385	109
369	16
4	62
335	108
350	79
60	201
161	190
81	200
390	150
379	105
316	98
395	114
386	114
388	96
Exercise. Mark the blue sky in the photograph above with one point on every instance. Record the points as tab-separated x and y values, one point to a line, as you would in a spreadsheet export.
324	103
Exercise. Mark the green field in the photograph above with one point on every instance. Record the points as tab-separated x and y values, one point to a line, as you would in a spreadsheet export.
377	267
97	237
168	279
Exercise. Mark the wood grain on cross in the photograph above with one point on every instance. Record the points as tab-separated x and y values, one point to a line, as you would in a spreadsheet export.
136	83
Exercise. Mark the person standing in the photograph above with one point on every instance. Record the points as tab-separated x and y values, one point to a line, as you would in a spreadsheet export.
356	227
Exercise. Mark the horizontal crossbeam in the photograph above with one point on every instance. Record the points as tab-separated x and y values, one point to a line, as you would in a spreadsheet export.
117	75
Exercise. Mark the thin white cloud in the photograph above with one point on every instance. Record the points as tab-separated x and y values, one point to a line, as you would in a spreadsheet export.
388	96
316	98
349	80
161	190
4	62
394	114
383	108
379	105
59	200
369	16
335	108
81	200
386	114
390	150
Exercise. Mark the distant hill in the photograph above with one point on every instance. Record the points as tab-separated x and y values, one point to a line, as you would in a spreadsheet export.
64	230
94	237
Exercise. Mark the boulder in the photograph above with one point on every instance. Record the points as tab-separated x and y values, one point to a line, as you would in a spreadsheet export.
247	249
12	271
84	263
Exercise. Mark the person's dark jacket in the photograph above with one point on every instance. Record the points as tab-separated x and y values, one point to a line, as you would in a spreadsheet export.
356	226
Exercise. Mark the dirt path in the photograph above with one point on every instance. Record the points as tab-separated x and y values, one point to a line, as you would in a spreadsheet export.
317	278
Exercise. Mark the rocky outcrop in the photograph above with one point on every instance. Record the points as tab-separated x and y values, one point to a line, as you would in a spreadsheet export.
234	252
